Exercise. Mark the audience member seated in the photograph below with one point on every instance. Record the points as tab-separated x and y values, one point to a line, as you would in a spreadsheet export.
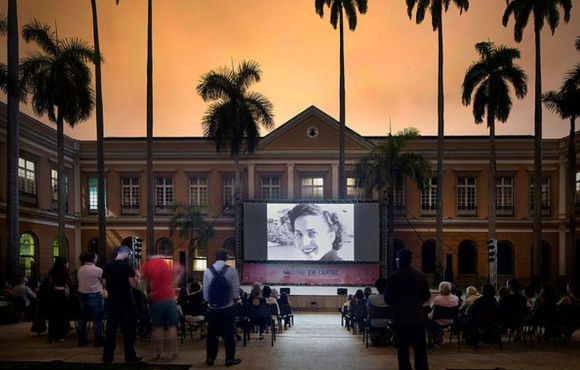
377	320
358	310
194	308
484	318
26	296
285	309
444	299
471	296
513	308
267	295
530	296
569	310
256	291
572	296
544	311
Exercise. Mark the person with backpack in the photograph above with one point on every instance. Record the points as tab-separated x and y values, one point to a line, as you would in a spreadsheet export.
221	288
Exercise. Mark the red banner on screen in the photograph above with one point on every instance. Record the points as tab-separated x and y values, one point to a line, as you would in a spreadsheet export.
309	274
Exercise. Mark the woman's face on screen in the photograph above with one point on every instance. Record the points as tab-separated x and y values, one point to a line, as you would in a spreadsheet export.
313	236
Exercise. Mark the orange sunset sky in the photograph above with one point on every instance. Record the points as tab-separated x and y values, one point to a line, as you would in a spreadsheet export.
391	62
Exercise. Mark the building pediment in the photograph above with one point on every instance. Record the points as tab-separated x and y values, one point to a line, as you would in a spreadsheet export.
312	129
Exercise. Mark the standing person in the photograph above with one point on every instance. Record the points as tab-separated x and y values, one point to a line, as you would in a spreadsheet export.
221	287
90	278
407	292
58	282
161	279
119	279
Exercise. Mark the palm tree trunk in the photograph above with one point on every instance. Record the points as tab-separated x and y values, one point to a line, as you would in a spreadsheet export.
61	179
492	176
150	185
491	202
390	229
13	150
440	132
341	177
537	242
572	198
100	153
238	212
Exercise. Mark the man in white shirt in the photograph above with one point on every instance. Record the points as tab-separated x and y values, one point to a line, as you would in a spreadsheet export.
28	296
90	278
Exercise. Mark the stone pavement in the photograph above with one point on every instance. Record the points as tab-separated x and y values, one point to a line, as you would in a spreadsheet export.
317	341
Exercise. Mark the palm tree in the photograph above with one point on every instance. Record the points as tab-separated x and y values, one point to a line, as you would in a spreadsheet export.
565	103
192	226
385	169
488	80
235	115
100	139
149	145
10	82
337	10
543	11
60	83
436	8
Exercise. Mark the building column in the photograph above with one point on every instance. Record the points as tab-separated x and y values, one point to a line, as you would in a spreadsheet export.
251	189
290	171
334	181
562	251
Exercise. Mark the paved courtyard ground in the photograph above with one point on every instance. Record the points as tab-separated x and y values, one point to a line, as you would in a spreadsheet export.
317	341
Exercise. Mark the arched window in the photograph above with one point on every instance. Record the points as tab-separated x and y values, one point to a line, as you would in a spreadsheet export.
428	257
467	258
28	254
397	246
163	247
57	250
505	258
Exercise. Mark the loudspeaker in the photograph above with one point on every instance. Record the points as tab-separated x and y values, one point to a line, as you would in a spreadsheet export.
341	291
285	290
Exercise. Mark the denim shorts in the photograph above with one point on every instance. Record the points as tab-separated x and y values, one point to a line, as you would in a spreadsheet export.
163	314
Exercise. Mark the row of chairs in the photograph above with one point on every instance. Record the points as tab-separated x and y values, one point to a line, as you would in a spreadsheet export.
488	327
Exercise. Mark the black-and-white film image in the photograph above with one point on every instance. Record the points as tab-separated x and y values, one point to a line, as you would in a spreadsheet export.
311	232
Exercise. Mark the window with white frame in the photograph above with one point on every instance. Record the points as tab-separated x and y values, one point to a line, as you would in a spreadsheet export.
130	194
93	200
270	187
429	197
466	195
312	187
27	180
546	196
504	195
54	189
163	193
198	191
353	191
228	191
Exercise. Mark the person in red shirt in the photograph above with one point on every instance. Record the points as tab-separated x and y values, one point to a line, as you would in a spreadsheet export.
161	279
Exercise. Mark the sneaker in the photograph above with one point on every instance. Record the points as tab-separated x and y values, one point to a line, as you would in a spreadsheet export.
233	362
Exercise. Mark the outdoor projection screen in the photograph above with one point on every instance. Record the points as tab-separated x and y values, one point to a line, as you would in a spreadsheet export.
324	232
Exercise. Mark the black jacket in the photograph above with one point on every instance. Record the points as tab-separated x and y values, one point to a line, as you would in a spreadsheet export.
407	291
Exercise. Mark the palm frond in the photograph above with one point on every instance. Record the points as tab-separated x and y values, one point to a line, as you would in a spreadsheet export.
215	85
246	74
43	35
335	10
350	12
